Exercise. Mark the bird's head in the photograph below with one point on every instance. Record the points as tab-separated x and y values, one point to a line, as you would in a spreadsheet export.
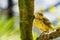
39	15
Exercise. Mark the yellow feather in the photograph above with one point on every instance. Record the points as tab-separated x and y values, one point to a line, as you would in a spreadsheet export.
52	27
40	25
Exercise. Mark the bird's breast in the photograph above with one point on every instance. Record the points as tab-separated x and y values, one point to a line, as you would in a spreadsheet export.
40	25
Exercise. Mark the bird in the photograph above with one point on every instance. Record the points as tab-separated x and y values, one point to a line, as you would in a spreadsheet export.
42	23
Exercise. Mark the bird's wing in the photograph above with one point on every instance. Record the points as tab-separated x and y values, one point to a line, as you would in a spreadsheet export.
46	22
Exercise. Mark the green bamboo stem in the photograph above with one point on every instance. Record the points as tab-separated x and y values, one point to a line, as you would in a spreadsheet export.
26	9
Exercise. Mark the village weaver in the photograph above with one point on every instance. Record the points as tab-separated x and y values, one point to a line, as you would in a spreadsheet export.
42	23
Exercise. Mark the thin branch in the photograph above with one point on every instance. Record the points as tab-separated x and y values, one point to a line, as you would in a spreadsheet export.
52	35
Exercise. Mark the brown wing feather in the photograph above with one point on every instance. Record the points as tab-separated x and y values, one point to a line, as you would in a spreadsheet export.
46	22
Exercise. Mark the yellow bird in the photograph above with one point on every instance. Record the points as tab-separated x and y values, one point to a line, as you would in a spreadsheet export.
42	23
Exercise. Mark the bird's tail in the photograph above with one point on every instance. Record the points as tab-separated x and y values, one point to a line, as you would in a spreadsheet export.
52	27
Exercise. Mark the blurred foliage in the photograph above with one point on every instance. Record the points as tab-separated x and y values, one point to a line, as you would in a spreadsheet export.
7	29
35	35
52	9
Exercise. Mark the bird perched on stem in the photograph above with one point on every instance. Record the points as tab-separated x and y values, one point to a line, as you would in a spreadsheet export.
42	23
